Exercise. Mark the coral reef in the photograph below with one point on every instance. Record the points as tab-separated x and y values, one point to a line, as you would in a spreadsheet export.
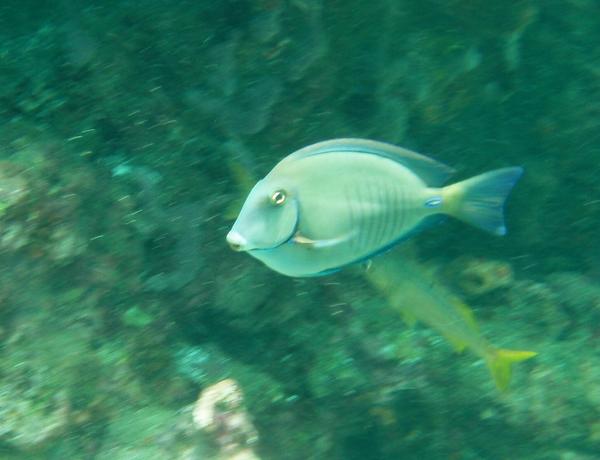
220	411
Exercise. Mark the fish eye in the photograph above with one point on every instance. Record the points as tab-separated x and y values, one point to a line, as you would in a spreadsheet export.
278	198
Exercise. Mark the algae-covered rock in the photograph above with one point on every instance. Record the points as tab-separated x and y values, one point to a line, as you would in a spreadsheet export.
476	277
47	376
220	412
14	186
336	373
206	365
154	433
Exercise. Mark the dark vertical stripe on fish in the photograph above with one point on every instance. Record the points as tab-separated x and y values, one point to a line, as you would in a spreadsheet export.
368	217
392	212
381	214
378	215
394	208
364	216
397	212
355	198
402	209
352	216
384	212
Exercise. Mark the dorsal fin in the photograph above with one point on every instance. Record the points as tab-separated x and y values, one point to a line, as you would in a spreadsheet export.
432	172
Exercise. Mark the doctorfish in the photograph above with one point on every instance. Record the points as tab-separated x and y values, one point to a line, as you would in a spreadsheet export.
343	201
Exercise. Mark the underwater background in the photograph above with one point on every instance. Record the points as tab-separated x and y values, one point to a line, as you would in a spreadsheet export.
130	132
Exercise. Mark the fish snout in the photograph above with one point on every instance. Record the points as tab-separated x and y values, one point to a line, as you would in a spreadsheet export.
236	241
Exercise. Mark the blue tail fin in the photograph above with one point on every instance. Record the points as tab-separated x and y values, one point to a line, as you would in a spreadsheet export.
480	199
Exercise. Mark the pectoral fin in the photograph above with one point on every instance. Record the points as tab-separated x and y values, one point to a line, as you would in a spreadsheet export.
299	239
303	240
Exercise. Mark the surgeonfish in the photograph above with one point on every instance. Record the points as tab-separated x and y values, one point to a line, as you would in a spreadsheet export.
343	201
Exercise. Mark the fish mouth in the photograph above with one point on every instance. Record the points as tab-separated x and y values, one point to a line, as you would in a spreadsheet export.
237	242
240	244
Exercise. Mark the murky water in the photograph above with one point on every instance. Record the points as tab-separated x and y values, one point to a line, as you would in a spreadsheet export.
132	131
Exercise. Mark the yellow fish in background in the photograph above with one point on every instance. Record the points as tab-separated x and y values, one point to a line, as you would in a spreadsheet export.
414	294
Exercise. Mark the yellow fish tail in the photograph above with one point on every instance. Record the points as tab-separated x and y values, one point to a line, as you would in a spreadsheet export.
500	362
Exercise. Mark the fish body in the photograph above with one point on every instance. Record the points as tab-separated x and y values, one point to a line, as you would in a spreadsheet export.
343	201
418	297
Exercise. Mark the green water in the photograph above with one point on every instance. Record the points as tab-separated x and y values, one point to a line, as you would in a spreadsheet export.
129	131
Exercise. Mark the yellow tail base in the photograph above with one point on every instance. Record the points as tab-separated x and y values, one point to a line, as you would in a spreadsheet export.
500	362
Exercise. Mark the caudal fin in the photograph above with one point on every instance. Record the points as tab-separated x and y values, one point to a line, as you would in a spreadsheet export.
500	363
480	199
